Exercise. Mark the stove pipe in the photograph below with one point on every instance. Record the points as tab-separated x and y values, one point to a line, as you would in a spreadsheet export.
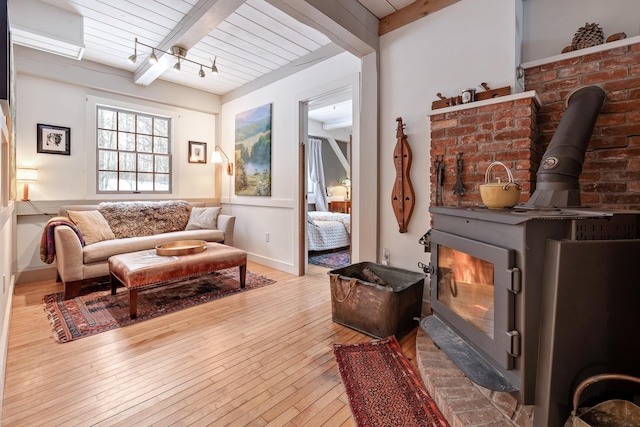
557	177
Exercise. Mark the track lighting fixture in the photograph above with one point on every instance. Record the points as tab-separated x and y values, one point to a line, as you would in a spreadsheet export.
214	69
134	57
153	59
176	51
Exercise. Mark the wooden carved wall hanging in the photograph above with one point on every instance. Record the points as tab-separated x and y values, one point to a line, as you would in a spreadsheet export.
402	197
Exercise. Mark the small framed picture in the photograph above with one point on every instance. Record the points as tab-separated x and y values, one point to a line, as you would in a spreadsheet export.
54	139
197	152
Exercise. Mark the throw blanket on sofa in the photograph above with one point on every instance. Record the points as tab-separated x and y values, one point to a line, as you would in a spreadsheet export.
136	219
47	243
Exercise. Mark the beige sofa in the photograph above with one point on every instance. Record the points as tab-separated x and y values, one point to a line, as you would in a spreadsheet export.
135	226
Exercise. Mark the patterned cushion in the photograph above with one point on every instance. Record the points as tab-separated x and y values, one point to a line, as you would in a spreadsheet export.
135	219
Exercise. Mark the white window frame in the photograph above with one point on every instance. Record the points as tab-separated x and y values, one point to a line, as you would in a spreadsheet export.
90	135
155	155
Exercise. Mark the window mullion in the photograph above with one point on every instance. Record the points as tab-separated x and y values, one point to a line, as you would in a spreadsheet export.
137	152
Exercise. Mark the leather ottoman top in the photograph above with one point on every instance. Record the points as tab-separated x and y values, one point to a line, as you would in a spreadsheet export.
145	268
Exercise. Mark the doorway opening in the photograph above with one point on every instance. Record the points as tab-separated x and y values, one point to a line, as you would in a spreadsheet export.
325	155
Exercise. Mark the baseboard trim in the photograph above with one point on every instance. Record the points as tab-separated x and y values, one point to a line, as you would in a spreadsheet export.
36	275
273	263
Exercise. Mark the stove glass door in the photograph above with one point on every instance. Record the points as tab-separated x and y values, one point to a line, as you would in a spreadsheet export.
473	291
465	285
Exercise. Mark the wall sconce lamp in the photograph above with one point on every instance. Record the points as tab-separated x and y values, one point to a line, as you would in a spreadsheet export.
217	158
26	175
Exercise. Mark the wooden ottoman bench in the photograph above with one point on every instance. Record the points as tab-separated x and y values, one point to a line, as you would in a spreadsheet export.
145	269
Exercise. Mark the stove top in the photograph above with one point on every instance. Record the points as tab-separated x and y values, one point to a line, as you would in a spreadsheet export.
522	213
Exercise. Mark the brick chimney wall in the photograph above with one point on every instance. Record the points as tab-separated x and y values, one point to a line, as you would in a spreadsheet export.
611	172
500	131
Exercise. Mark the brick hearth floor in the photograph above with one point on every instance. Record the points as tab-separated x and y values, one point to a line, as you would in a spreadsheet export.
462	402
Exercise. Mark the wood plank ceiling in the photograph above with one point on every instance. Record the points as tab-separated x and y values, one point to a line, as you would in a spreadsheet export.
247	39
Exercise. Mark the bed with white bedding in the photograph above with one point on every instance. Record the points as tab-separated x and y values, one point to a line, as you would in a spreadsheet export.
328	230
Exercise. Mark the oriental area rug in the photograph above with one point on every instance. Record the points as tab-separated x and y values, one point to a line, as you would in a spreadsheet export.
332	260
383	388
96	310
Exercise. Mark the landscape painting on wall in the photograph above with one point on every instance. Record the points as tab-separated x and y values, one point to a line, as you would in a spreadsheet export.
253	152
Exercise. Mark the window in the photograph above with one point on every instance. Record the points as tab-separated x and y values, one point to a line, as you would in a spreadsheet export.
134	152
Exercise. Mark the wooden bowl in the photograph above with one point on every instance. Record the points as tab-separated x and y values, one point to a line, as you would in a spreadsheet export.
181	247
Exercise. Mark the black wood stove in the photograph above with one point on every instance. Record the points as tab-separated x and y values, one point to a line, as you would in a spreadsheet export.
533	299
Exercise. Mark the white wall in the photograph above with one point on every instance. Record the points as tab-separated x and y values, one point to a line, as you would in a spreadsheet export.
72	177
278	215
549	25
64	93
445	52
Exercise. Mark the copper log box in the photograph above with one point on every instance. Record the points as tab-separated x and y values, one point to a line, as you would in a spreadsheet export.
376	299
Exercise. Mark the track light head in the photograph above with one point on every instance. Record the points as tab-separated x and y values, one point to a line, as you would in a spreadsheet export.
134	57
201	72
153	59
177	66
214	69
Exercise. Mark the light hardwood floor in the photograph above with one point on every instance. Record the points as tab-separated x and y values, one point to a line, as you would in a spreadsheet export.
258	358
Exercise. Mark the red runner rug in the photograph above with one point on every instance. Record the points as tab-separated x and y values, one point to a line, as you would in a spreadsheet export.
383	388
96	310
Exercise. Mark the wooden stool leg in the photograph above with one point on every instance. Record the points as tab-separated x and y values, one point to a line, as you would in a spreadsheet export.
243	275
133	303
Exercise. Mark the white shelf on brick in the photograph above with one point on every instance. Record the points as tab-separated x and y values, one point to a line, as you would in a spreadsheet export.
496	100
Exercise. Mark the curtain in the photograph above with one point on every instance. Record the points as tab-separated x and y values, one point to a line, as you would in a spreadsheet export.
316	173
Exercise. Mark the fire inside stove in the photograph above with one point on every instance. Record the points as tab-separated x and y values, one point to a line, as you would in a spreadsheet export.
465	285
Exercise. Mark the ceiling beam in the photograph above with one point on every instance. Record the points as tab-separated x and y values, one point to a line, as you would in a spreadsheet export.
203	18
309	60
346	22
339	154
413	12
